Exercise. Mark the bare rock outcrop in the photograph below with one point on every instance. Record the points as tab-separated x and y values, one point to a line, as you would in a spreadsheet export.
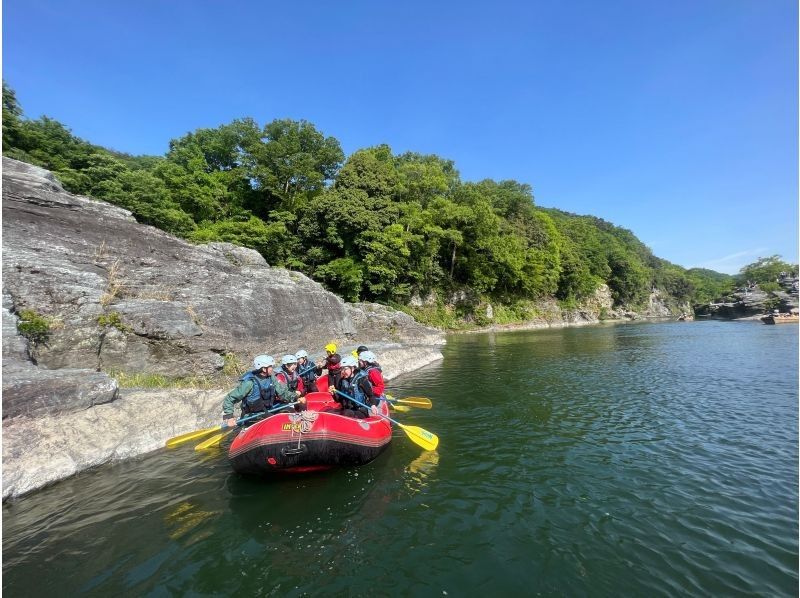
751	302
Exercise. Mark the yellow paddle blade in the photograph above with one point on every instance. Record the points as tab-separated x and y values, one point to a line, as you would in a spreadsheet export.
421	402
213	441
425	439
177	440
401	408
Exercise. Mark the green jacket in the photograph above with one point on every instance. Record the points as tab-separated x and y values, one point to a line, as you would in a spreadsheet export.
244	388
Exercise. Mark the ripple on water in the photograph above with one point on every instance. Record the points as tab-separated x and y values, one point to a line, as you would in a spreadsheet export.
634	460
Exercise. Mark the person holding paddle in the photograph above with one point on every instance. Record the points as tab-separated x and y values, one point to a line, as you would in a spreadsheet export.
257	391
289	376
369	368
305	370
354	386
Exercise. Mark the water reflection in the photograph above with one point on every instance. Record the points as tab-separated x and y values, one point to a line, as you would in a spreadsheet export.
420	470
185	517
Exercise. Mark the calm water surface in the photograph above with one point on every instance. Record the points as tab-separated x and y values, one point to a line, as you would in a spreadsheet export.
638	460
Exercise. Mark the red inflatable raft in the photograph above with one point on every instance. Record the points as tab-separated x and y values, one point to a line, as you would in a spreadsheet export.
318	438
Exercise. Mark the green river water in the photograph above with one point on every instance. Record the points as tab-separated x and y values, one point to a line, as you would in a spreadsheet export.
647	459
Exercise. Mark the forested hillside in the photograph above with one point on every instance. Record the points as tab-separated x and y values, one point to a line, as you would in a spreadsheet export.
374	225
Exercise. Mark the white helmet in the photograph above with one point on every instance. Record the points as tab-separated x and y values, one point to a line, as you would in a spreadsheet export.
368	356
348	361
301	353
288	359
263	361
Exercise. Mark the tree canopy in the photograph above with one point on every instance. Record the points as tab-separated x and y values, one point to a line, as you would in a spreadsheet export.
374	225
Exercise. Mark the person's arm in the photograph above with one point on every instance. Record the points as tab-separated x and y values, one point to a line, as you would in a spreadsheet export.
235	396
282	390
369	392
342	386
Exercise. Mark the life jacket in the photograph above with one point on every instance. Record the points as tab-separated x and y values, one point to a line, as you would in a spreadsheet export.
357	393
261	396
379	392
334	367
349	387
308	374
291	380
333	363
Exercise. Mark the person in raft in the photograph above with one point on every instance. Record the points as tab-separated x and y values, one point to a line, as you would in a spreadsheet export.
369	368
358	388
294	383
358	352
331	363
257	391
306	370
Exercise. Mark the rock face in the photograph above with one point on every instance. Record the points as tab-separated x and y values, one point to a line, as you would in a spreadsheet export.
174	308
752	302
121	296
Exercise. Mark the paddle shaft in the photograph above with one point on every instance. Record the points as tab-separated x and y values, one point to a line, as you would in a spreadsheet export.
357	402
418	435
225	430
239	422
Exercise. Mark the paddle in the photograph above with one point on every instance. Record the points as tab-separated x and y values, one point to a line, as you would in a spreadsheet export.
178	440
422	437
421	402
215	440
304	372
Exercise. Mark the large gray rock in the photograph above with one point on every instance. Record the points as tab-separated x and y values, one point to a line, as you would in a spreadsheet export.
32	391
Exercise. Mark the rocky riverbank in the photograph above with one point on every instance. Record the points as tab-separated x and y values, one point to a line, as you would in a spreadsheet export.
594	310
39	450
97	293
751	302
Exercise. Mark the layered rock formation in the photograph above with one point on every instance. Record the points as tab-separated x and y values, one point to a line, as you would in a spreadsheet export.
119	296
752	302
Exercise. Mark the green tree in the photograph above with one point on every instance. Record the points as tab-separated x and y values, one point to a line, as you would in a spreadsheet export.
629	279
765	269
192	184
343	276
270	239
424	178
12	113
373	171
293	162
708	284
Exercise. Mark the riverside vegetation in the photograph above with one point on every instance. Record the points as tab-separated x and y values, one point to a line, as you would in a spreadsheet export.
402	230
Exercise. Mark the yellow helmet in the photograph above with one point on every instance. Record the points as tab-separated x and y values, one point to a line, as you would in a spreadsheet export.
330	348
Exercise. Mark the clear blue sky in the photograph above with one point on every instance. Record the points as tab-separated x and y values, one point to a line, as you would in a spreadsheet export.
677	120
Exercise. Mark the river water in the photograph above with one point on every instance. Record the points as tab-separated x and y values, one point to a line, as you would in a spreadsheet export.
640	459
